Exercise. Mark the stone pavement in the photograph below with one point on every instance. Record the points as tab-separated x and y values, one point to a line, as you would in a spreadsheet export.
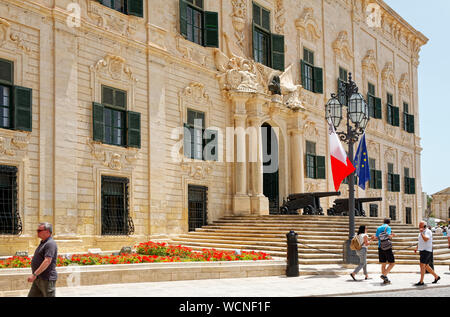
327	280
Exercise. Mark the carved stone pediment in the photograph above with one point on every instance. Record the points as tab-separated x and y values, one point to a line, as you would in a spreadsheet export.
111	20
342	47
7	36
115	158
198	170
13	143
387	75
369	63
308	26
403	85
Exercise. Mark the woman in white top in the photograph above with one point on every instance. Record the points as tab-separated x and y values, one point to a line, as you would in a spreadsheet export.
364	241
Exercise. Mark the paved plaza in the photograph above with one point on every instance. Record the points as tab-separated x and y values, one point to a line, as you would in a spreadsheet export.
329	280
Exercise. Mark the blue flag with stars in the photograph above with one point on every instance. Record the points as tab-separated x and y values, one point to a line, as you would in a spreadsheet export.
361	163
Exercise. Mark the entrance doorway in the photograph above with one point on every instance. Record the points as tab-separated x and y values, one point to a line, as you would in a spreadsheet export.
197	206
270	168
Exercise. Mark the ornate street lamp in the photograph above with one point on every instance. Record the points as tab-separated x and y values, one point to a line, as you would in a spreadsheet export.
358	114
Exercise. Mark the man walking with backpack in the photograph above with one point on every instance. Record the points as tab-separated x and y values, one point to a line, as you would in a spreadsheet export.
385	255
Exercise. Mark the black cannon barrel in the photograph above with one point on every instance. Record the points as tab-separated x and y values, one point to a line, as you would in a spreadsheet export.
319	194
367	200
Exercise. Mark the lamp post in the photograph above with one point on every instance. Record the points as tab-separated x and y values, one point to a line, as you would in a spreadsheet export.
358	114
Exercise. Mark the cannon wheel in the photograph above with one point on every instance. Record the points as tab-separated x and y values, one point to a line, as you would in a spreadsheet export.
284	210
331	212
308	210
320	211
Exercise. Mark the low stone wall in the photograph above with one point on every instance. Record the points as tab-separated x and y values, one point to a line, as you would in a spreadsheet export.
74	275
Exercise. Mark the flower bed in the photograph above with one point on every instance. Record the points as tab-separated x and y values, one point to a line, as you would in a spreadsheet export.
148	252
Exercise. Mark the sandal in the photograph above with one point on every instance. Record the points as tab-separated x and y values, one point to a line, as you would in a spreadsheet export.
351	274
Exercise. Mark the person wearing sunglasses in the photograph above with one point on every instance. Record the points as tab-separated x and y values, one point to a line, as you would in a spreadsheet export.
43	264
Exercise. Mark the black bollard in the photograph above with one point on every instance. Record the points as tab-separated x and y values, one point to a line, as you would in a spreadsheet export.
292	255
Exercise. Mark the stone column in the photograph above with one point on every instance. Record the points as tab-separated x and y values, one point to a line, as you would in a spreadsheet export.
259	203
65	130
241	199
297	162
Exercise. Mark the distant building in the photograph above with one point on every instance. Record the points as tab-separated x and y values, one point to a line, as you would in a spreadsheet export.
441	204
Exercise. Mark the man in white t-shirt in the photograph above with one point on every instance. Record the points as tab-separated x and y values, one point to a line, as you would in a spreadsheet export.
425	247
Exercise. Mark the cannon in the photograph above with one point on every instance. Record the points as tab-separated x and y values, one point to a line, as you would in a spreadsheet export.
309	202
340	207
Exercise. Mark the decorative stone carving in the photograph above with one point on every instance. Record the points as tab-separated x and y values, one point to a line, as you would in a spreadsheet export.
369	63
197	170
194	96
7	36
387	74
391	198
114	158
111	20
311	186
113	67
310	130
308	26
237	73
239	17
373	192
13	141
280	21
191	51
290	91
341	46
390	155
403	85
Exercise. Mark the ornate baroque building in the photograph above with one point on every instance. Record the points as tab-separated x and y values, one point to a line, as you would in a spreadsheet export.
108	107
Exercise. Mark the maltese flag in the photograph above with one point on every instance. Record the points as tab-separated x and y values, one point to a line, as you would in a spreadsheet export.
341	166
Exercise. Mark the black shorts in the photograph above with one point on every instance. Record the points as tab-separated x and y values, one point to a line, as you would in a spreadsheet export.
386	256
425	257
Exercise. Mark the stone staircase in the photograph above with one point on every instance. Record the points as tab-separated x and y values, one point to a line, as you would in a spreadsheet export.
320	238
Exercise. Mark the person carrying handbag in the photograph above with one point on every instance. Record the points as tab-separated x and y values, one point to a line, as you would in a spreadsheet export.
385	255
364	242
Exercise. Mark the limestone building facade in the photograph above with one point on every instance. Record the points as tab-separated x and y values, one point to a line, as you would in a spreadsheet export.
440	205
99	96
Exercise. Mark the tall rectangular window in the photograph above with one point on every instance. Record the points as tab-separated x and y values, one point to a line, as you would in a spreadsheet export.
408	215
310	159
15	101
343	78
115	210
373	210
261	35
115	102
10	222
130	7
308	79
393	212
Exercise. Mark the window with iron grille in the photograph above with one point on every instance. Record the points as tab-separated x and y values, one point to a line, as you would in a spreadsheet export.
373	210
197	206
130	7
10	222
408	215
15	101
115	208
393	212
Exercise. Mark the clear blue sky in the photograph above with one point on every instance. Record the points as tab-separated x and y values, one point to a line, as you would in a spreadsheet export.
432	18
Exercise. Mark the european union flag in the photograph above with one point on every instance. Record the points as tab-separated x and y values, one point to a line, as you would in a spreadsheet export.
361	163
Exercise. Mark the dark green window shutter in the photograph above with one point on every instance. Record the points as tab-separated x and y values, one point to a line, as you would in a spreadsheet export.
378	111
211	30
378	180
183	18
412	186
396	116
303	72
188	140
98	122
136	8
396	180
23	107
411	124
6	72
318	80
133	129
277	42
320	167
211	145
407	183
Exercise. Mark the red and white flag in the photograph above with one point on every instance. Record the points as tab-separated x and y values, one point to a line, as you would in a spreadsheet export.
341	166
